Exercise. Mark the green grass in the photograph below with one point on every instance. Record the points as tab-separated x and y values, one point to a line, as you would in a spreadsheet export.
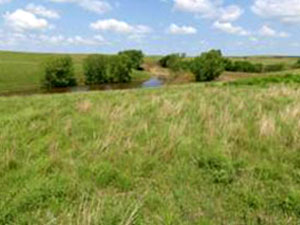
24	72
267	60
185	154
267	80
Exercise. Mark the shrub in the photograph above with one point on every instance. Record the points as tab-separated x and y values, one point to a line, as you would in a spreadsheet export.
100	69
95	67
170	60
59	72
228	64
245	66
297	64
208	66
119	69
136	58
242	66
274	67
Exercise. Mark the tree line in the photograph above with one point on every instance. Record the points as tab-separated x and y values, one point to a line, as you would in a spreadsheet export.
98	69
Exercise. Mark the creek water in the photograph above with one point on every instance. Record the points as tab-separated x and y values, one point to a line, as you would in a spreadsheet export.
150	83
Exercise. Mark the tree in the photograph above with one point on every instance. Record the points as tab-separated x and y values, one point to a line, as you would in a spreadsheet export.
136	58
95	69
208	66
59	72
101	69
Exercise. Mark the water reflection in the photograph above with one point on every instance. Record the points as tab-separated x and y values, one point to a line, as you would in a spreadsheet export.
151	83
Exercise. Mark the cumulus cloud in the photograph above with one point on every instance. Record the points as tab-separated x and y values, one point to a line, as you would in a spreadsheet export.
287	11
97	6
175	29
21	20
16	38
117	26
229	28
76	40
210	9
267	31
42	11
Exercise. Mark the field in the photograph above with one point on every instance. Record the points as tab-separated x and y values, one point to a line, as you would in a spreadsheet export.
188	154
225	152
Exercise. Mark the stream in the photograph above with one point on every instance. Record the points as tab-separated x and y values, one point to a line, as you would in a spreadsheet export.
150	83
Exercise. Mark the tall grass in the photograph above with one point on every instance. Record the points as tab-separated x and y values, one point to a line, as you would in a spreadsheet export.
182	155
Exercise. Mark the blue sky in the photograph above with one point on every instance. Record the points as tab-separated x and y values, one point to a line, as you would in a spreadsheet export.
249	27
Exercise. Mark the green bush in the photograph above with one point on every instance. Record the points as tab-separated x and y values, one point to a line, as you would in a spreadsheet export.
274	67
59	72
101	69
171	60
297	64
136	58
95	69
228	64
243	66
119	69
208	66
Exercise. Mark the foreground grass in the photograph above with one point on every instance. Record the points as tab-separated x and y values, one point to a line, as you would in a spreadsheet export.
181	155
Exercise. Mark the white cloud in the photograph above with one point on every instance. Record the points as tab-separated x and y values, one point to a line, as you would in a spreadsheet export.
97	6
22	20
117	26
230	13
42	11
15	39
269	32
175	29
287	11
229	28
210	9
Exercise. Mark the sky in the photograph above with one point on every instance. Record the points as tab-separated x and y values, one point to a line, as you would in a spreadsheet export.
237	27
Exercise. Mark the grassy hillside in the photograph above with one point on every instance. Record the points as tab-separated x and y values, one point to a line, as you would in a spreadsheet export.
178	155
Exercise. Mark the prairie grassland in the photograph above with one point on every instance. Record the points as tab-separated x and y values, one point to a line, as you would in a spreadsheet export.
188	154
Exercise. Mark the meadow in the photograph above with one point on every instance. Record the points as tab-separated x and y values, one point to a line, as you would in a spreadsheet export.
221	152
188	154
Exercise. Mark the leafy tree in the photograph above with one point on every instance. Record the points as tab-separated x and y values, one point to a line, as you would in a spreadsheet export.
208	66
136	58
120	68
95	69
170	60
59	72
297	64
101	69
